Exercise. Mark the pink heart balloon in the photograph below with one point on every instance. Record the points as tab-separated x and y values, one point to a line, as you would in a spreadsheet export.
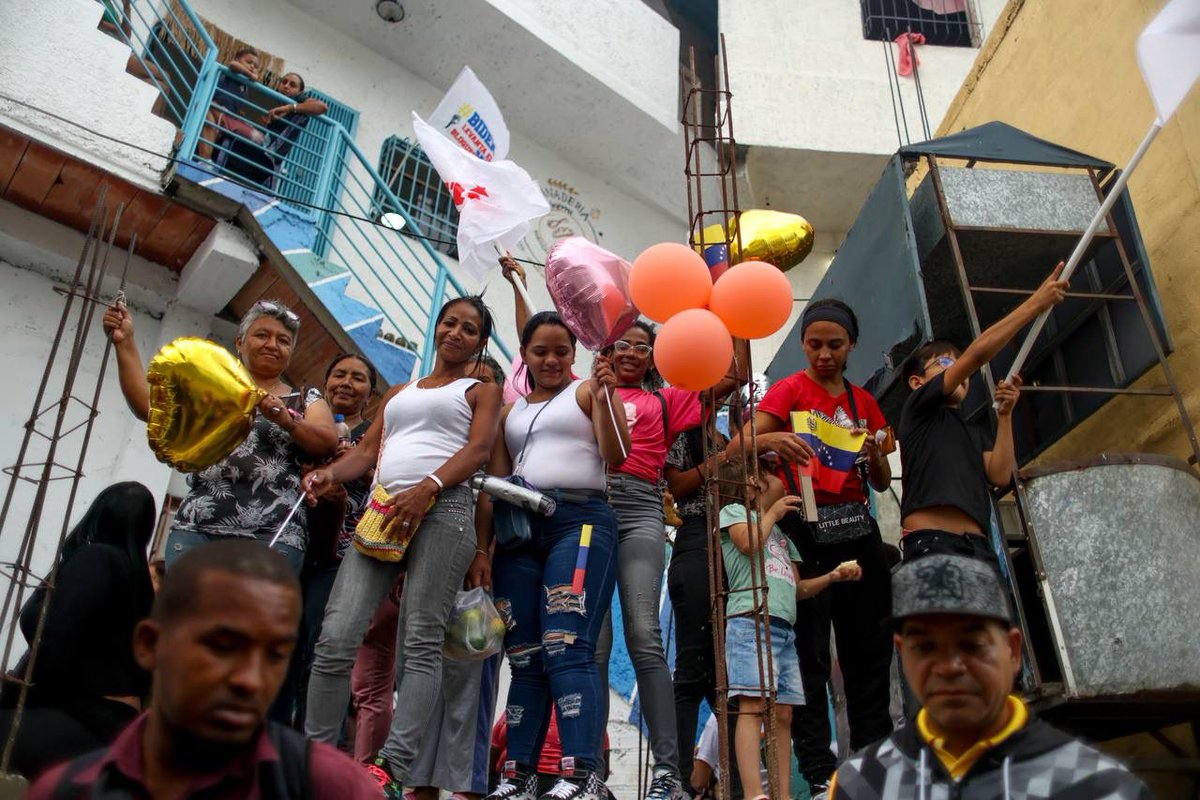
590	289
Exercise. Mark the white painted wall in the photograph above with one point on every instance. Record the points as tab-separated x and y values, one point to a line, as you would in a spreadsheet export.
118	450
623	43
53	57
820	85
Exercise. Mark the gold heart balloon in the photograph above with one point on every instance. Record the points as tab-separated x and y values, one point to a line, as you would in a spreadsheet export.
202	403
772	236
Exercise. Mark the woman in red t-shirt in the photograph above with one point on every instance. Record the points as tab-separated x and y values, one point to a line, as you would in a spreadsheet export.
656	415
856	610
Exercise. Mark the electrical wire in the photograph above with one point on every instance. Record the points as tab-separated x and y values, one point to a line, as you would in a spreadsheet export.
265	192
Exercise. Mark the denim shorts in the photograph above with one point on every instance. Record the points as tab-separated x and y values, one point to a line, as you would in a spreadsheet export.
741	661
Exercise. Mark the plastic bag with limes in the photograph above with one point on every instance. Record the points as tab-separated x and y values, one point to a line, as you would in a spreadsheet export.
475	630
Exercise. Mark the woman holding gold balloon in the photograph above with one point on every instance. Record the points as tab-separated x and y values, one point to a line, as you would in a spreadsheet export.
250	492
434	433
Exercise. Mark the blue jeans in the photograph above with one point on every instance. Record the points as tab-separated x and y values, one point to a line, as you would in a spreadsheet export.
180	541
743	659
552	630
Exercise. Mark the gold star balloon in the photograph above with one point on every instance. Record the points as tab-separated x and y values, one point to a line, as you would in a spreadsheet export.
773	236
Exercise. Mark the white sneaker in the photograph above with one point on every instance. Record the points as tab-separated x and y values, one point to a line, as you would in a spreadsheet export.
578	785
516	784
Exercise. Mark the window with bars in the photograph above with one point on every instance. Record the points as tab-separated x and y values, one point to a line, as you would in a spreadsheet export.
951	23
421	192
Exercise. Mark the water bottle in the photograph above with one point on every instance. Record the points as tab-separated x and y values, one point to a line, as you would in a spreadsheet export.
343	430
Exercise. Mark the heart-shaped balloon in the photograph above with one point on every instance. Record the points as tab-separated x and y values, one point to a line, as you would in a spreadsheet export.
772	236
590	289
202	403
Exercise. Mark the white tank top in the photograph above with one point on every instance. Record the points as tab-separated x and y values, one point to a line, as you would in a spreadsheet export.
561	452
422	429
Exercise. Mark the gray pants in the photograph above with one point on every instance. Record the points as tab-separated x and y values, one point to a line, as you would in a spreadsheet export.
436	563
446	756
641	559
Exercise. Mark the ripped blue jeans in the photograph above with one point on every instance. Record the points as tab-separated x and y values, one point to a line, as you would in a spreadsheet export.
554	594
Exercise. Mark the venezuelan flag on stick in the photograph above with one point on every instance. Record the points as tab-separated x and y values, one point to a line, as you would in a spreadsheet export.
836	448
585	541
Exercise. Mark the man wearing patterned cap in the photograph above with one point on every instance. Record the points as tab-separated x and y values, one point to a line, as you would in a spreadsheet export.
972	739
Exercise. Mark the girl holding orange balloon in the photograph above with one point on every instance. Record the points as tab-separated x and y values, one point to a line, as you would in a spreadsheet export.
656	416
846	532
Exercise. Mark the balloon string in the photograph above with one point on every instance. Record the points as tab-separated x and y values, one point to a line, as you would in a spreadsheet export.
286	520
612	415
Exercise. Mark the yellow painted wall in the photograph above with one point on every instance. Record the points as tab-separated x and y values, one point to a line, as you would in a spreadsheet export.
1065	70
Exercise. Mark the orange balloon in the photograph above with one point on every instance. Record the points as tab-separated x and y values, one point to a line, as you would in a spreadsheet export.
668	278
753	299
693	349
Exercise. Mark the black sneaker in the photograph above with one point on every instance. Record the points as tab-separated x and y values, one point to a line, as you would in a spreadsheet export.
517	783
577	784
666	786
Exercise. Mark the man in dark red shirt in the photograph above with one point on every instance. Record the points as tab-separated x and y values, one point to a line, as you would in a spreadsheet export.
217	644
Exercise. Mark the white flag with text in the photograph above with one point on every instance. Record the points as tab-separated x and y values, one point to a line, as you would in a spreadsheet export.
470	117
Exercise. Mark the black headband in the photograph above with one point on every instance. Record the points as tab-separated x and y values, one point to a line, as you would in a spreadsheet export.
830	314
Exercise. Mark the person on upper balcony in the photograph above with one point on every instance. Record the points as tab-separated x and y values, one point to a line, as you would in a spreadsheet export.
262	163
225	115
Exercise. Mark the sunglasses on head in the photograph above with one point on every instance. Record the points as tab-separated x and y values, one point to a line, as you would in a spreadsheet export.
274	308
622	346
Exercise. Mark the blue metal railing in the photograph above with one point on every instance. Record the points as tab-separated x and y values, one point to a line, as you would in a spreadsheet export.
312	163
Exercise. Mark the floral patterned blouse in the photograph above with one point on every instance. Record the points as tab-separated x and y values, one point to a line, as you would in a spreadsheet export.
250	492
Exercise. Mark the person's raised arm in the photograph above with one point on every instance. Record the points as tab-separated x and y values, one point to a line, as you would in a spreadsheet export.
613	439
1000	460
514	272
118	324
992	341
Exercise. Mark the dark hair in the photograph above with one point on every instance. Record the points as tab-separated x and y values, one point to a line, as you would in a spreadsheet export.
830	310
536	321
915	364
244	51
243	558
299	77
651	380
339	358
485	320
121	517
494	366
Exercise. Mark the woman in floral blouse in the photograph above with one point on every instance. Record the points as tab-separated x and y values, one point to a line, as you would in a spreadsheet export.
250	492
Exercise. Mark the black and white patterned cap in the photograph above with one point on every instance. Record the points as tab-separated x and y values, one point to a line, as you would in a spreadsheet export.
949	584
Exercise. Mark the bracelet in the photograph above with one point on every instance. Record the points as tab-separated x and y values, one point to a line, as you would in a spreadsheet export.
441	486
482	552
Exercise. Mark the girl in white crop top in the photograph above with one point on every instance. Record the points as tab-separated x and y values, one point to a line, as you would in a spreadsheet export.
558	439
433	434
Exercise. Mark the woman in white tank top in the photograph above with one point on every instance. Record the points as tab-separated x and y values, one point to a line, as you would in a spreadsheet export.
554	590
433	434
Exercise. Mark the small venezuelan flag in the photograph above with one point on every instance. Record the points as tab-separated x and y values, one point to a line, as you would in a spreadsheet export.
585	541
717	258
836	448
